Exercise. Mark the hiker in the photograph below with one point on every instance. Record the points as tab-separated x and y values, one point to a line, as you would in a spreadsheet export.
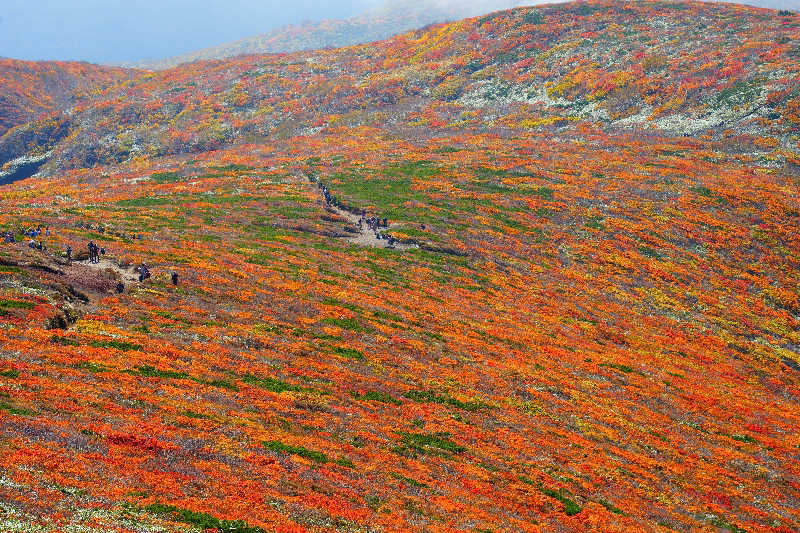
144	272
47	231
69	253
175	278
385	222
32	244
91	251
120	287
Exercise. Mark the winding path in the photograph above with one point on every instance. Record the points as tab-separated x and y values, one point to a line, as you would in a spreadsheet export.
127	276
367	237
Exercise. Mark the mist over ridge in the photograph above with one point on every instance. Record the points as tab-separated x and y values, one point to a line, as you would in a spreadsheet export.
158	34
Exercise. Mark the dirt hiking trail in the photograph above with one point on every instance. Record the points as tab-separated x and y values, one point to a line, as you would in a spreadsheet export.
367	237
127	276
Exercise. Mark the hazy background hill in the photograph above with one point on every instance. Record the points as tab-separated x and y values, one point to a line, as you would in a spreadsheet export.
681	69
383	20
378	23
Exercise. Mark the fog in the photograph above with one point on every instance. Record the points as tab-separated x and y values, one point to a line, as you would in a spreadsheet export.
117	31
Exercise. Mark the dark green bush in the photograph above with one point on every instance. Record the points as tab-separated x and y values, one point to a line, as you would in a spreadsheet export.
533	17
570	507
286	449
349	353
376	396
202	521
270	383
148	371
415	444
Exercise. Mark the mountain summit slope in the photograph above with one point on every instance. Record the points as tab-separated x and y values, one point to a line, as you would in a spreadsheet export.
530	272
380	22
30	89
674	68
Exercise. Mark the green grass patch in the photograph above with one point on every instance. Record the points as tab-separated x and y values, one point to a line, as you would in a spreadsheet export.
64	341
10	373
222	384
533	17
270	384
570	507
428	396
202	521
622	368
702	191
387	316
148	371
650	252
349	353
744	438
741	93
192	414
148	201
7	305
345	462
173	317
350	324
117	345
338	303
300	451
611	507
267	328
12	410
595	223
415	444
376	396
166	177
233	168
407	480
723	523
92	367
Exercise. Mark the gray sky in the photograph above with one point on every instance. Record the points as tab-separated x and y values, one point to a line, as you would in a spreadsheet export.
117	31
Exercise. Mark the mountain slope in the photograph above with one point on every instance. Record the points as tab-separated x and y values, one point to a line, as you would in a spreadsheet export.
591	323
30	89
377	24
680	69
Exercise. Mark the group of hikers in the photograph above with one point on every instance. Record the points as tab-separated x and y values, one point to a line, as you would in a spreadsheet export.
9	237
327	195
95	251
373	223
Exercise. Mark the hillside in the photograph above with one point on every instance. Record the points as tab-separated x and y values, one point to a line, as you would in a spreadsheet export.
589	321
383	21
30	89
732	75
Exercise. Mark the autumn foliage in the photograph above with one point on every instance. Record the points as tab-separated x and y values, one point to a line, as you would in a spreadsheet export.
598	330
